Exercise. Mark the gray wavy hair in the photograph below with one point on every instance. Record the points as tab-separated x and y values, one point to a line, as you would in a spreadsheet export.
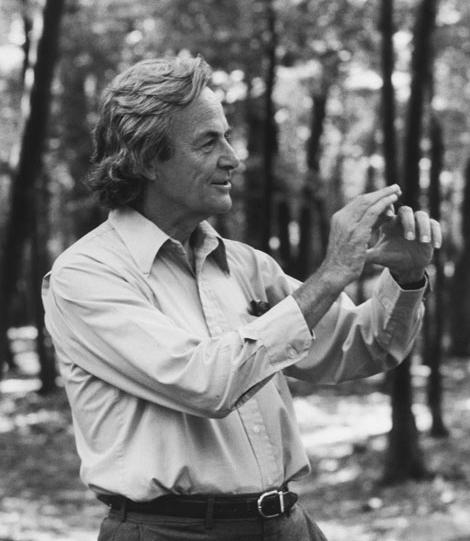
135	116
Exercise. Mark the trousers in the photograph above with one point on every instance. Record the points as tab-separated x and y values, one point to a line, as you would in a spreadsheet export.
296	526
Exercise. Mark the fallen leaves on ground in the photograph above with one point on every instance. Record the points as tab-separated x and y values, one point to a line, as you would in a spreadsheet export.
42	498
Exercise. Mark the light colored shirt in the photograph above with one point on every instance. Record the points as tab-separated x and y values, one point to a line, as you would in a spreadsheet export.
173	385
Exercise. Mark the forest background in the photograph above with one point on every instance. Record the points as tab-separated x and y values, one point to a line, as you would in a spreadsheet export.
327	99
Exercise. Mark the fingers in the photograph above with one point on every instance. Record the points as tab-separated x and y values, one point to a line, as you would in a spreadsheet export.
407	219
381	210
419	226
436	234
370	199
375	208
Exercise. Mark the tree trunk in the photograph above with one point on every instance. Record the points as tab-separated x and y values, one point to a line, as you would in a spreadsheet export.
270	135
285	248
29	167
421	64
460	295
404	457
253	192
39	266
388	94
313	240
436	305
28	27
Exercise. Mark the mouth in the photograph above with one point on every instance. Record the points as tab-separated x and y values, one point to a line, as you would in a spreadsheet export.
222	183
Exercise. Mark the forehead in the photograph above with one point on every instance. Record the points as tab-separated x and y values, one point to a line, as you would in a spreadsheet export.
202	115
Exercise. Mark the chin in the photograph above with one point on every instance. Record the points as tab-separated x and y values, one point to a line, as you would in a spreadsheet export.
222	207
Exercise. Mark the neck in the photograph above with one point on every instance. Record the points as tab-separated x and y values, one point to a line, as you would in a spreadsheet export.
176	225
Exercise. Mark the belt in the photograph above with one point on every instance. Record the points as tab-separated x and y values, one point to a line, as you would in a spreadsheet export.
270	504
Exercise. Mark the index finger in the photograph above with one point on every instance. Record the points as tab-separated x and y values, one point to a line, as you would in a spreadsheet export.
375	212
368	200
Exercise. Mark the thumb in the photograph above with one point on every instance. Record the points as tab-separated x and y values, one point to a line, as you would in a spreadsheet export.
371	255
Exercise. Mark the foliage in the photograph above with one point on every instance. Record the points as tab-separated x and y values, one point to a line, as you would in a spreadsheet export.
327	49
321	43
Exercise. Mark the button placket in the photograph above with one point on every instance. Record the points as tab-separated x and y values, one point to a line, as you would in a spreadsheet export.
249	412
263	450
215	318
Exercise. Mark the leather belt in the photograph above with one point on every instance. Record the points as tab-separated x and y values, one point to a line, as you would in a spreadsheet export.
270	504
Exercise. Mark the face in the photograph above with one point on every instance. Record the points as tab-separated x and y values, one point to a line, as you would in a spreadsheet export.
195	182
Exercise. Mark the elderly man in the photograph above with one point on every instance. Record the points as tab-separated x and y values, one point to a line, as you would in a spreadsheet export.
176	378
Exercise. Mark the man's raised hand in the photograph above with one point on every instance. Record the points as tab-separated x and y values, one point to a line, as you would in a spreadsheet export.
351	231
406	244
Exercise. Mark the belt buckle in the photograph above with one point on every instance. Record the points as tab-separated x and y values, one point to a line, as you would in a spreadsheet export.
261	499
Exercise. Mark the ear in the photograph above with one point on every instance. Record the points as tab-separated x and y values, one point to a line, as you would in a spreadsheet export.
150	171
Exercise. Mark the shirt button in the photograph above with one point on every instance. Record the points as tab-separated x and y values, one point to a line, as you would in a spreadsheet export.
218	330
256	429
291	352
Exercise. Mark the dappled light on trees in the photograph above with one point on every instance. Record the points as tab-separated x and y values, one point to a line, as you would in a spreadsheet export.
21	224
327	99
404	457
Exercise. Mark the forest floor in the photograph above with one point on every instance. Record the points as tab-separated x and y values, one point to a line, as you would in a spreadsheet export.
344	430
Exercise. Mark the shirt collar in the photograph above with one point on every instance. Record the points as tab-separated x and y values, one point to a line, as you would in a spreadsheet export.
144	239
207	236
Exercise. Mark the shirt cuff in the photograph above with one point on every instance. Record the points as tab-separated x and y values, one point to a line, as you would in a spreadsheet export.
283	331
389	292
401	311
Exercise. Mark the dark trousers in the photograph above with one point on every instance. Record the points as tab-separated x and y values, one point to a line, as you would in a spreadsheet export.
297	526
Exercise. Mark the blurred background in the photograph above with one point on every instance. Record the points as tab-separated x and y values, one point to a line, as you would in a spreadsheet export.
327	99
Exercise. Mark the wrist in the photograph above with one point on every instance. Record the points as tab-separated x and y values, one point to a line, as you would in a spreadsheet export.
316	295
332	280
414	279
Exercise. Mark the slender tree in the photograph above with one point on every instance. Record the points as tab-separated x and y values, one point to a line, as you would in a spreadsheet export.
39	266
270	136
388	93
460	292
27	47
404	455
285	248
435	304
313	218
253	193
19	223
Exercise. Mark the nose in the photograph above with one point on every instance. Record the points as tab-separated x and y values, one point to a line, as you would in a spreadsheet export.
228	159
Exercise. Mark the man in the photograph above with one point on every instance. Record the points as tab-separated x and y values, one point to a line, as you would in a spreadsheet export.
183	419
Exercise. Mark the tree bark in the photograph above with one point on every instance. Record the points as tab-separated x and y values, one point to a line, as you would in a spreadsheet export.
253	193
18	225
285	248
404	456
28	27
421	63
460	294
314	226
270	135
436	305
39	266
388	93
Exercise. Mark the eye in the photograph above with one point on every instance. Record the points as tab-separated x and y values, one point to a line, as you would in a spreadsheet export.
228	137
209	143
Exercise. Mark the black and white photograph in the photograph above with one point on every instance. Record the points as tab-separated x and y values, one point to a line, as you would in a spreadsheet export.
235	270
